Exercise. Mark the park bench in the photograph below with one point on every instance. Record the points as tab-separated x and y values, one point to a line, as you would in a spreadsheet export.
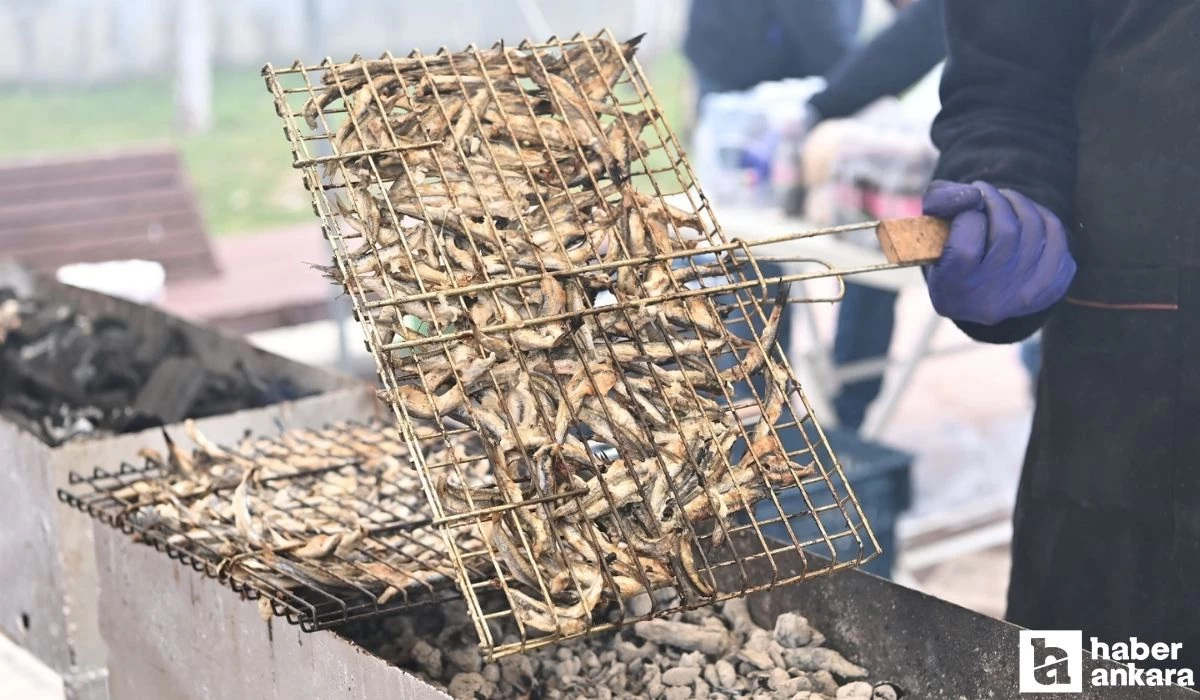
140	204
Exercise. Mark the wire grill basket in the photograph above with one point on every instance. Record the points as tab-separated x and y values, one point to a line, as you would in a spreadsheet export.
321	526
535	266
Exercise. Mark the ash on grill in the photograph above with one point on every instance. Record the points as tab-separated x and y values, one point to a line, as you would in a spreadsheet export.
717	652
65	375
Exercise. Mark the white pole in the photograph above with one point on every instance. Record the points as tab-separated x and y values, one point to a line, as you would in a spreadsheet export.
193	86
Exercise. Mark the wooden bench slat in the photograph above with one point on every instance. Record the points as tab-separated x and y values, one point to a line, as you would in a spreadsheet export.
62	232
131	204
105	207
51	172
75	245
27	194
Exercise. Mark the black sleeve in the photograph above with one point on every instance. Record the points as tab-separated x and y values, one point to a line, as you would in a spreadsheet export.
895	59
1008	113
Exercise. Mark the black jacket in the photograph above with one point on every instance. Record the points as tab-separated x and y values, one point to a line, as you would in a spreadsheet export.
1008	105
736	44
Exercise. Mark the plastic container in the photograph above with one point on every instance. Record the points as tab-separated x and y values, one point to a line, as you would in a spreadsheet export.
139	281
881	479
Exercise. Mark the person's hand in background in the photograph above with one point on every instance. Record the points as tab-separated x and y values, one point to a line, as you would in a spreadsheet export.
1006	255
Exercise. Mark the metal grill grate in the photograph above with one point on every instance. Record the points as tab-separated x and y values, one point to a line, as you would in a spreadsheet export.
533	263
322	526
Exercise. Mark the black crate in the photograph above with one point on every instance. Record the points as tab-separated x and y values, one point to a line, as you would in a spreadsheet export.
881	479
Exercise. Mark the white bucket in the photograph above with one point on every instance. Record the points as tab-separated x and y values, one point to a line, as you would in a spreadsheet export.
139	281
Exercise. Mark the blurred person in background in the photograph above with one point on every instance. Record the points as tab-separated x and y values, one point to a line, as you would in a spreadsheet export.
734	46
895	59
1068	170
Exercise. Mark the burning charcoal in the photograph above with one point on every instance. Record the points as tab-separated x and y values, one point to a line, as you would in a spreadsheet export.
758	651
737	611
677	693
491	673
726	675
792	630
469	686
855	691
787	686
517	671
639	605
427	658
817	659
684	636
823	682
568	667
701	688
652	676
680	675
885	691
466	659
692	659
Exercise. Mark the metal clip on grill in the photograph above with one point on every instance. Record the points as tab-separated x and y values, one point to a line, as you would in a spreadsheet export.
533	263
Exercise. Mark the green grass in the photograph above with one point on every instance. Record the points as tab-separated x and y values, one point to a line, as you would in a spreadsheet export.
242	166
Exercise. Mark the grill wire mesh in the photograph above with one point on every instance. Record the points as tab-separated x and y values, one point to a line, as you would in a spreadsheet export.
321	526
535	268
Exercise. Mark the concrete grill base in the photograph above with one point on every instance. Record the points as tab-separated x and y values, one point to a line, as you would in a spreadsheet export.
174	634
49	603
177	635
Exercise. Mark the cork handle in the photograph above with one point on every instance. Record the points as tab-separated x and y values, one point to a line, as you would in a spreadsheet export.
913	241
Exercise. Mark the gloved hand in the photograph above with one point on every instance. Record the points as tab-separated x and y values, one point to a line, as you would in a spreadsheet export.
1006	256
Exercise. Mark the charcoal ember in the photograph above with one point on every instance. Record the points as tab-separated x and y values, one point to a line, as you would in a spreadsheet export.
427	658
792	630
823	682
65	375
491	674
469	685
650	662
684	636
680	675
819	659
855	691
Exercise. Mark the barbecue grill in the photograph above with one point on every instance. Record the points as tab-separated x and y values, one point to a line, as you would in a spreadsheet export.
50	609
510	175
163	628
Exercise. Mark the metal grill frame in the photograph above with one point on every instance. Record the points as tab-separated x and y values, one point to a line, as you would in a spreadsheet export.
305	143
309	605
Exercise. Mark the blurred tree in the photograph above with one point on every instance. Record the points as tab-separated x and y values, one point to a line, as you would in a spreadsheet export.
193	76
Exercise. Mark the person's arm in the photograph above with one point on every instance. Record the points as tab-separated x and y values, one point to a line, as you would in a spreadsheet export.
1008	114
891	63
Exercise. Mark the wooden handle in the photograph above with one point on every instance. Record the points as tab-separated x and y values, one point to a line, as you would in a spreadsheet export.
913	241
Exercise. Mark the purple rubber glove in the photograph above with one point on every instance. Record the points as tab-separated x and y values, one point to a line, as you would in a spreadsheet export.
1006	256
